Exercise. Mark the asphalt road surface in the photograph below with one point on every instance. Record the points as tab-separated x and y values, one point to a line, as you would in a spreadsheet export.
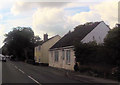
22	73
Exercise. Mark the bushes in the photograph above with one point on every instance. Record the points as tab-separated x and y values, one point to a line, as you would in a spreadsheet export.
90	53
85	52
96	71
84	69
95	60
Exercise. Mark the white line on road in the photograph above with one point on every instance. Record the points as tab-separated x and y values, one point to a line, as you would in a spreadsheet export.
27	75
16	67
21	71
34	80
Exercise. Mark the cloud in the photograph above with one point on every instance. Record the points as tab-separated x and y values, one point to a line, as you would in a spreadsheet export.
2	29
1	17
5	4
108	11
57	21
25	6
22	7
105	11
19	22
50	20
83	17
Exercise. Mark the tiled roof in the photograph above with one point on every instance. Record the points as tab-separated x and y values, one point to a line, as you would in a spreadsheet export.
78	34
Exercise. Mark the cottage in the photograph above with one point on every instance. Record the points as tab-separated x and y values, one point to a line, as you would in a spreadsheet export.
42	51
61	55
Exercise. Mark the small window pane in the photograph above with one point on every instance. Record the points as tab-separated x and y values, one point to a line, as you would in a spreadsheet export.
67	56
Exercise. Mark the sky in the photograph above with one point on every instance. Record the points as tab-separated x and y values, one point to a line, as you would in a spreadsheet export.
54	17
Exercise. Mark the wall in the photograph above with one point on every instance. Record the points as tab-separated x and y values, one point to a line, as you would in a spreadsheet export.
99	33
62	63
43	54
37	54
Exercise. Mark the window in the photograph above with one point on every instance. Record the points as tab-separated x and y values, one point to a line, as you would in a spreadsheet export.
63	54
56	55
67	56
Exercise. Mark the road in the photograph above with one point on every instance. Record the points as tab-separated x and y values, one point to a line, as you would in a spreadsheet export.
23	73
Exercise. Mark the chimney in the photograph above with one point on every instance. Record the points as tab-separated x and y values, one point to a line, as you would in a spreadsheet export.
45	37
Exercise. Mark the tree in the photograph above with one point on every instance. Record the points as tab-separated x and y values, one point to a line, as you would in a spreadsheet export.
4	50
112	42
20	41
85	52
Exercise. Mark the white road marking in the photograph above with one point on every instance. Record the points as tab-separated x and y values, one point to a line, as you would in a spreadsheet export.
34	80
27	75
16	67
21	71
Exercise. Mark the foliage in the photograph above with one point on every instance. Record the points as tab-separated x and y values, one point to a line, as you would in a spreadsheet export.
20	42
82	26
112	42
84	52
113	38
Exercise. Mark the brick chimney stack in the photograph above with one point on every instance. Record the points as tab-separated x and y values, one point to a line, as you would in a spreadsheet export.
45	37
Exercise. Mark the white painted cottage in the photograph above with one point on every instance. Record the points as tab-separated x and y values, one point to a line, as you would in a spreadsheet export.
61	55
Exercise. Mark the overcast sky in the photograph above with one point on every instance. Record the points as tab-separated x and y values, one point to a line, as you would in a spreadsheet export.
53	16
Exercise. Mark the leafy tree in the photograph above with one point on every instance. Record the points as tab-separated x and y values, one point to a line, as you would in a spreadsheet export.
93	54
85	52
20	41
4	50
112	42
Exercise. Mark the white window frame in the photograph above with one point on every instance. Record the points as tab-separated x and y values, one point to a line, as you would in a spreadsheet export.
68	56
